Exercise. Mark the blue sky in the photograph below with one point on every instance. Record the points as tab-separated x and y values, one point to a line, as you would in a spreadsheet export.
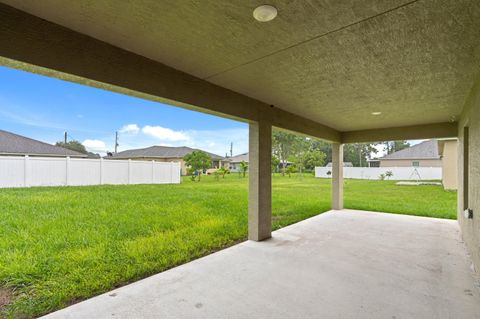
43	108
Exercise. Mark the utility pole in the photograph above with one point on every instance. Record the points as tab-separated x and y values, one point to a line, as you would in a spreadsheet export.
65	137
231	149
360	155
116	141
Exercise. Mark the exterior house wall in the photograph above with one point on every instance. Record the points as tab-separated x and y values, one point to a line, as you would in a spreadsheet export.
408	162
449	164
235	167
471	184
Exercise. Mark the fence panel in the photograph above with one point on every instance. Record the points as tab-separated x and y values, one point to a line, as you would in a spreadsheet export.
43	171
141	172
175	170
12	171
115	172
399	173
16	171
84	172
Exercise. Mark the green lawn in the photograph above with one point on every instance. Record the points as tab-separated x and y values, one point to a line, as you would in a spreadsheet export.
60	245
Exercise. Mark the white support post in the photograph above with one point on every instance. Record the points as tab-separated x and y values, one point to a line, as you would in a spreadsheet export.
67	170
153	172
260	181
101	170
171	172
129	171
337	176
26	172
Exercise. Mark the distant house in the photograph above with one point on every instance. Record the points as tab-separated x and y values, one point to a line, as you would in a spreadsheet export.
345	164
234	161
431	153
424	154
16	145
166	154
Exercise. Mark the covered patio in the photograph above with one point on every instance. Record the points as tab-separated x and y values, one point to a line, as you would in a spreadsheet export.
342	71
340	264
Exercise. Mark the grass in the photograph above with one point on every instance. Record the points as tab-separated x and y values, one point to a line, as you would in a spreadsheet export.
60	245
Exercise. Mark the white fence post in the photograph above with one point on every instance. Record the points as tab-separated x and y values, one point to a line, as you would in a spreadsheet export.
153	171
67	169
101	170
129	171
25	171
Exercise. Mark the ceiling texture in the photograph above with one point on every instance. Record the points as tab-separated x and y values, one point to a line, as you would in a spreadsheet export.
332	61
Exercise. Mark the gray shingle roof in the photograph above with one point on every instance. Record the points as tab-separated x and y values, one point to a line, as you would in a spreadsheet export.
424	150
14	144
238	158
161	152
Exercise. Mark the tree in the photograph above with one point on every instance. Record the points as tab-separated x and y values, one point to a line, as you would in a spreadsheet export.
243	167
324	147
358	154
283	145
73	145
198	161
275	162
297	149
93	155
290	170
395	146
223	171
314	158
301	146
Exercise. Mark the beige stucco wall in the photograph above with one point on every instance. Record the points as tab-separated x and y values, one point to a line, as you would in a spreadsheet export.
449	165
470	227
408	163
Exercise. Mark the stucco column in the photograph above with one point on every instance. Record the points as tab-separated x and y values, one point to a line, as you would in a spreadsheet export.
260	181
337	176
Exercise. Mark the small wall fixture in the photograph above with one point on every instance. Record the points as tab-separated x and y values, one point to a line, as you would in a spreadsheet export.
265	13
468	213
376	113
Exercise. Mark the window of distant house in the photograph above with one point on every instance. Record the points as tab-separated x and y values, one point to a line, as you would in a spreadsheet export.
415	163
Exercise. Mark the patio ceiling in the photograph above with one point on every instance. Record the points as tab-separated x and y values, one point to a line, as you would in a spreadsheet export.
333	62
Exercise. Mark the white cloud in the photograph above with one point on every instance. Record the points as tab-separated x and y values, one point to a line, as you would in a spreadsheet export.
214	141
165	134
218	141
130	129
94	145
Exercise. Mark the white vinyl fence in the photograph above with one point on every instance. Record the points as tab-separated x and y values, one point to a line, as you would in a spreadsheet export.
28	171
399	173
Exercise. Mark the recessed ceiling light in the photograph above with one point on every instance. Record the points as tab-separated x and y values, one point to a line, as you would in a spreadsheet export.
376	113
265	13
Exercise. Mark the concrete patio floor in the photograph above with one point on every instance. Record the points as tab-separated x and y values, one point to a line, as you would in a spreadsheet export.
340	264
